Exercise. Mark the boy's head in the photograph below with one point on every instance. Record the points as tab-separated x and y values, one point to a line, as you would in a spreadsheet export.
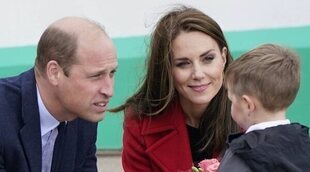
269	73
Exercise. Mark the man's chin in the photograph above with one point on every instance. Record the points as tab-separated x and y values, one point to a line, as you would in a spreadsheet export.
96	117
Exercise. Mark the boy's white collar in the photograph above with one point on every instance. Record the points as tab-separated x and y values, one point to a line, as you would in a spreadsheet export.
263	125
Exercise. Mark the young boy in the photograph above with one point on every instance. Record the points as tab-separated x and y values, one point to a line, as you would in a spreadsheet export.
262	84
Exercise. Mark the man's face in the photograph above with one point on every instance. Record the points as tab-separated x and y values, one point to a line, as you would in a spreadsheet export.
86	91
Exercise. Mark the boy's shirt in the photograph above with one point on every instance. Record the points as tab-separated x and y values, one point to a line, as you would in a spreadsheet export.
264	125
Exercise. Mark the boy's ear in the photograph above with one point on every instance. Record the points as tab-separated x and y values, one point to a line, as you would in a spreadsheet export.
53	71
250	103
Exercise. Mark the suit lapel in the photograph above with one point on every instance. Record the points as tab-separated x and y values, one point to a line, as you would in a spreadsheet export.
30	133
167	141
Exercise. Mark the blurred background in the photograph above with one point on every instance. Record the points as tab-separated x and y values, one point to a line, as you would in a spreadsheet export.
246	24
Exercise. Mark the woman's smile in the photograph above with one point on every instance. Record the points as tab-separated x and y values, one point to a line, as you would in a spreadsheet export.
199	88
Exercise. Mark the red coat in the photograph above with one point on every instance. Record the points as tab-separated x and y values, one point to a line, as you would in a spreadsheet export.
158	143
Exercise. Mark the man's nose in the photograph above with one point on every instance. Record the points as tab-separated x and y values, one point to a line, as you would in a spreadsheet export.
107	87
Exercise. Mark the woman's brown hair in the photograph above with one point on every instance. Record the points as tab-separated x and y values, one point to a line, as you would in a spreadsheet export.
157	90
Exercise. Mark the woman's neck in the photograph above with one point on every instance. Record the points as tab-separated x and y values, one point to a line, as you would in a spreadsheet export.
193	113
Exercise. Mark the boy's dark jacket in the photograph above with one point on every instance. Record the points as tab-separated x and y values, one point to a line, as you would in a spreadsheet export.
284	148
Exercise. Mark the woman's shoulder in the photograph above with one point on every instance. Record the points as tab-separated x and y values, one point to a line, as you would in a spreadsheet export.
170	115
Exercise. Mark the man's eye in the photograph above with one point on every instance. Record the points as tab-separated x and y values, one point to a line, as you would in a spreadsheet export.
97	76
112	73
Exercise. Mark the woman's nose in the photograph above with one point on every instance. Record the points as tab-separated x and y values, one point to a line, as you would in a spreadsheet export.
198	72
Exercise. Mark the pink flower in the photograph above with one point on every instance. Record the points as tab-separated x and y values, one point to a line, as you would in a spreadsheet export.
209	165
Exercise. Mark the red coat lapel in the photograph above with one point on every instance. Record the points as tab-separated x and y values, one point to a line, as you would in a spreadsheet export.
166	139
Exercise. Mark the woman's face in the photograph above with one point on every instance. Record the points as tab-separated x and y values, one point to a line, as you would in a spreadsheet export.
197	68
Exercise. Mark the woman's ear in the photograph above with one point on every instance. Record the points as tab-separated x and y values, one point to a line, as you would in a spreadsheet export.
250	102
224	55
53	71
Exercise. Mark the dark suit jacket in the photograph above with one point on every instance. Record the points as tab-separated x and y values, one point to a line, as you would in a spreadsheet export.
20	134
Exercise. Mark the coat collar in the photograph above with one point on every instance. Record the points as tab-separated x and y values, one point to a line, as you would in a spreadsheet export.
30	133
167	139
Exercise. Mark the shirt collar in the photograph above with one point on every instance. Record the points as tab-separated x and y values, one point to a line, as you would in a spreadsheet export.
263	125
47	121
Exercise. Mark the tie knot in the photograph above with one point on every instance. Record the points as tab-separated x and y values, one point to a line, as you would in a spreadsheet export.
61	127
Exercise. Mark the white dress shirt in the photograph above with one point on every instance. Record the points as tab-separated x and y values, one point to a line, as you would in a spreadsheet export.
48	134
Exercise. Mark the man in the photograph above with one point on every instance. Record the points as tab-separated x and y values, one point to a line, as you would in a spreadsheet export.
71	83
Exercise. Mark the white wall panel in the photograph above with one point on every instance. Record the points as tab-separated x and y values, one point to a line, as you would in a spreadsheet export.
23	21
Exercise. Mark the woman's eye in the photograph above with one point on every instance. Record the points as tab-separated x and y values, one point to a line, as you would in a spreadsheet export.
182	64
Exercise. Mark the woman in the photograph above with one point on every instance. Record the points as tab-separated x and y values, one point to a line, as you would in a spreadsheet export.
181	114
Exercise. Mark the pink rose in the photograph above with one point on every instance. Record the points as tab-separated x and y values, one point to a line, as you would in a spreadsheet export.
209	165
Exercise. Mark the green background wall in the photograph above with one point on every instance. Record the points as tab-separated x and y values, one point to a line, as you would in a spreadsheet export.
132	52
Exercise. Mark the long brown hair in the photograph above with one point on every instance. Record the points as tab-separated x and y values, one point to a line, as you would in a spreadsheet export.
157	90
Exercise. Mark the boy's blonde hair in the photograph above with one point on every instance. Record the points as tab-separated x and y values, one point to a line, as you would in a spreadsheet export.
270	72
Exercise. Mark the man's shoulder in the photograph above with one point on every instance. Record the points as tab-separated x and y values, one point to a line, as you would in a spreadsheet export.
9	83
16	82
11	90
10	97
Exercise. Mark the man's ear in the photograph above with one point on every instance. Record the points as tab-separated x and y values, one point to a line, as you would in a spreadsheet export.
250	103
53	72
